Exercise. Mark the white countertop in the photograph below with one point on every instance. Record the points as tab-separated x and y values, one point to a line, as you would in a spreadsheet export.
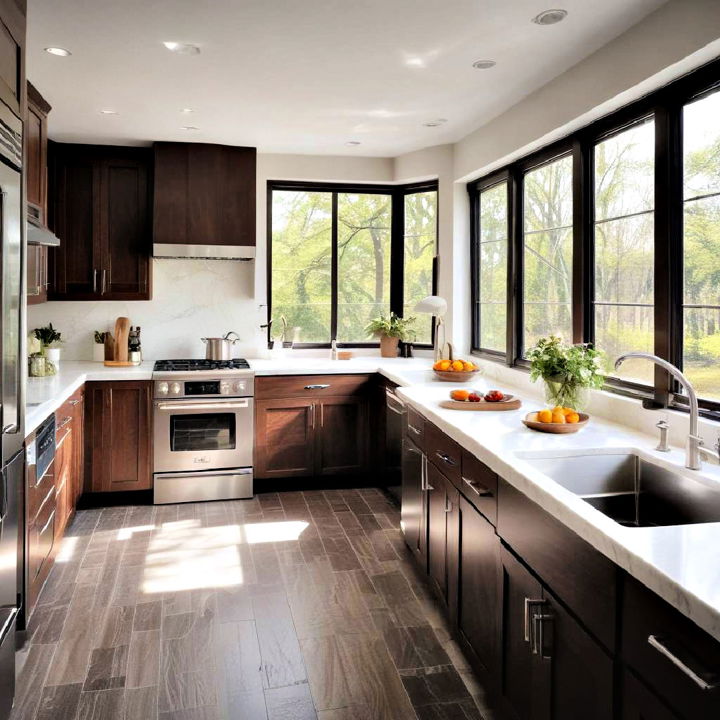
680	563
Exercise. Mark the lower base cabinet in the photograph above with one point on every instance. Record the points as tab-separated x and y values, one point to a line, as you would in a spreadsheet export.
118	447
413	510
639	703
442	523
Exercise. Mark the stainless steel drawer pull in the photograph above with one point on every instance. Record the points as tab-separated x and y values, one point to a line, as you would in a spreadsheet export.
217	407
445	458
73	402
412	428
538	644
477	488
448	505
316	387
704	679
530	603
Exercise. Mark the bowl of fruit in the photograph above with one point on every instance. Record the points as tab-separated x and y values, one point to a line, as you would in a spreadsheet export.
558	420
455	370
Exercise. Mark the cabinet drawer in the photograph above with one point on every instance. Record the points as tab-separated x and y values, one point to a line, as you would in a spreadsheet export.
670	653
287	386
479	486
444	453
416	427
38	491
583	578
41	537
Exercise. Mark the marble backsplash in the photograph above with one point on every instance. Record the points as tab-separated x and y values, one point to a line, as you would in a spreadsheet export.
191	299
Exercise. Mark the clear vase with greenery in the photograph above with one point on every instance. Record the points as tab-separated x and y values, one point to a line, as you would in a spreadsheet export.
391	330
568	371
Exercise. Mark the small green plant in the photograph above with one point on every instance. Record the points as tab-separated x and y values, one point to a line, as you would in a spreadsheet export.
47	335
392	326
100	337
567	370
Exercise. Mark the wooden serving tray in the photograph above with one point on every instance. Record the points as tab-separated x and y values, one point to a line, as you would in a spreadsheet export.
119	363
455	376
509	403
531	421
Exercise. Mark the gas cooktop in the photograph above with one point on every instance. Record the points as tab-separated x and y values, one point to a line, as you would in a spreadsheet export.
198	365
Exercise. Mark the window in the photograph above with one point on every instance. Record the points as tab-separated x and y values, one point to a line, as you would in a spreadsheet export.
492	276
624	248
701	249
611	236
547	252
335	252
420	242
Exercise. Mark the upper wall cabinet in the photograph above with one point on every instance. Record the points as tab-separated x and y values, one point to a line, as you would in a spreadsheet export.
100	210
12	54
204	200
36	120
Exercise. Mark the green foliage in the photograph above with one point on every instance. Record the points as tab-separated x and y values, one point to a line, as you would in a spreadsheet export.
100	337
392	326
47	335
551	359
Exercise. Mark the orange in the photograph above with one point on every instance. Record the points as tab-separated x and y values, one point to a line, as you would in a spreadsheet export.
573	418
460	394
567	411
558	417
458	366
545	416
444	365
437	365
468	367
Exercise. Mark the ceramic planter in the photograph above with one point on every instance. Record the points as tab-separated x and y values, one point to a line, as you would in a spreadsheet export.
389	346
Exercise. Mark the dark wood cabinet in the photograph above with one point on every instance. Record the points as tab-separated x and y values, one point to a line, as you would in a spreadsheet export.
284	434
303	428
100	210
64	473
204	194
477	610
37	274
118	447
639	703
13	15
413	506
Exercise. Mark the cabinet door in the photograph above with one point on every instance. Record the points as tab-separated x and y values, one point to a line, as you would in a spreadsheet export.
437	529
284	438
118	437
413	508
36	153
125	226
64	456
639	703
77	405
12	53
478	575
341	431
37	274
582	673
523	681
75	194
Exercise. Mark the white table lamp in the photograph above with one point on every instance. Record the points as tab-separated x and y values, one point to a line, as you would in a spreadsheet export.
437	307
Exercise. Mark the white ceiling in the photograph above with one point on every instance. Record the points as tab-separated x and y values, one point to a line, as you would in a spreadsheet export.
303	76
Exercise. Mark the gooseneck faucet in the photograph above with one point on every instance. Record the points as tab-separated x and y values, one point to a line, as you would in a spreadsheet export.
692	451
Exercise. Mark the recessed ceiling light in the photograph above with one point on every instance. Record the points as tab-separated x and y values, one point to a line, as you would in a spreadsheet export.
189	127
550	17
484	64
108	112
352	143
182	48
437	122
187	110
60	52
415	62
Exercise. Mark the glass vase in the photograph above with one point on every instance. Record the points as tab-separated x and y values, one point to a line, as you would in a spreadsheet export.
565	392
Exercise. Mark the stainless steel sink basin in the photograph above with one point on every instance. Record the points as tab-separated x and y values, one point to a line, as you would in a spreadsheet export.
632	491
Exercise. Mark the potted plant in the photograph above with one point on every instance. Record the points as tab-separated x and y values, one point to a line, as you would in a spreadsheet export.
391	330
49	338
568	371
99	346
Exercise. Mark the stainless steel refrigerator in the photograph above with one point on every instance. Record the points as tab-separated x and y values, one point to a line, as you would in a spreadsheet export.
12	412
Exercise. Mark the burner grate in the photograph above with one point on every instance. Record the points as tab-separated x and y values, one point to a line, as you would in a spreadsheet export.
190	365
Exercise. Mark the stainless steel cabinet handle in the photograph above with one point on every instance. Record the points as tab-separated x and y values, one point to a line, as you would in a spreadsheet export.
479	490
73	402
95	280
530	603
312	411
102	284
426	486
66	421
412	428
445	458
704	679
538	647
316	387
202	406
448	505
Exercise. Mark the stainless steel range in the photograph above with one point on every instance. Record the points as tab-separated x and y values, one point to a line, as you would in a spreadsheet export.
203	417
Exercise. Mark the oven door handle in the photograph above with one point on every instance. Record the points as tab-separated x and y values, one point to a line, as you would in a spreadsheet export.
189	406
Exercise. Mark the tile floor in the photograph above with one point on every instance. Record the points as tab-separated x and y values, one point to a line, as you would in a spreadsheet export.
288	606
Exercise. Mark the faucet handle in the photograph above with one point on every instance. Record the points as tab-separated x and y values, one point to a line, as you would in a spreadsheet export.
663	425
662	445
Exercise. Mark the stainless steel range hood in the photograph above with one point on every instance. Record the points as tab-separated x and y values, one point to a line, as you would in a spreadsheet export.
207	252
39	235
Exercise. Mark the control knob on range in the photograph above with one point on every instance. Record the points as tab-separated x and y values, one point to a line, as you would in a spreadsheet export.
175	388
162	388
240	386
224	388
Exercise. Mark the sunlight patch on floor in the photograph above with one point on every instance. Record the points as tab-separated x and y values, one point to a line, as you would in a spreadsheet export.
184	556
67	550
274	531
128	532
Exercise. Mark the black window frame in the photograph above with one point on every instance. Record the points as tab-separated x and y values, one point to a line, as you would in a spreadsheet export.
665	105
397	194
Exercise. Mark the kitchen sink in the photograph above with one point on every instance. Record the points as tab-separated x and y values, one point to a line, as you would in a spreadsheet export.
632	491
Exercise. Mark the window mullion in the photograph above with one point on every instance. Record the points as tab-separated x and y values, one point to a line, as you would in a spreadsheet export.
397	253
581	191
515	253
334	269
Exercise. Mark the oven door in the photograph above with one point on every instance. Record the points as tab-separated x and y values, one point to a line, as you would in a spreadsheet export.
194	435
